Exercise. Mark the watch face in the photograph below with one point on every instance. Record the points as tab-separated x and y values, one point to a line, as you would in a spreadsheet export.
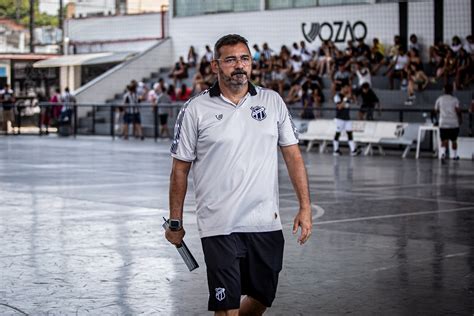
175	224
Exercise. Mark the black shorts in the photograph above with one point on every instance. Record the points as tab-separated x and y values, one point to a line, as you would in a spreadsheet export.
449	134
163	119
242	264
137	118
128	118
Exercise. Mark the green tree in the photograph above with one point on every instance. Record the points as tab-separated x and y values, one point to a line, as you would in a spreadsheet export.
10	8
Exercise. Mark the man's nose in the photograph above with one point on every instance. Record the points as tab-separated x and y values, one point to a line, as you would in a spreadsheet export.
239	61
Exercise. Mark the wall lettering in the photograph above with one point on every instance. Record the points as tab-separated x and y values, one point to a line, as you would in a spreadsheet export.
337	31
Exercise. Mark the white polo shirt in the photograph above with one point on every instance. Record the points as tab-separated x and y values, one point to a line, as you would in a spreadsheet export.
234	150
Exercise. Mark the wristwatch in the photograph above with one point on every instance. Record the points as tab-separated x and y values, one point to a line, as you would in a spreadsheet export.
175	224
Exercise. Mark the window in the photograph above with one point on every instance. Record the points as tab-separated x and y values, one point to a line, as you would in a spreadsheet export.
305	3
200	7
286	4
339	2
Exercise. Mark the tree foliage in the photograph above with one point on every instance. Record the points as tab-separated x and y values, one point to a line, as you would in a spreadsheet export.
10	9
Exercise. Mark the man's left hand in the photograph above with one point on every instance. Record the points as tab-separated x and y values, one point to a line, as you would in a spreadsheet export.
303	220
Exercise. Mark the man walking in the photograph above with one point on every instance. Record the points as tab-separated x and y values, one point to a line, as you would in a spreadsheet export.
450	118
229	134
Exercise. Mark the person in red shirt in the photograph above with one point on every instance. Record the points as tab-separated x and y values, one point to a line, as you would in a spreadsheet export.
184	93
171	91
56	109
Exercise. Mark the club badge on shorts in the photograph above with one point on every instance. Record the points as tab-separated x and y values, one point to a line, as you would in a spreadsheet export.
258	112
220	293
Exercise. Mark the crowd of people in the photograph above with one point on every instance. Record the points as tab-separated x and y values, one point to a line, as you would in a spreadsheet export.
159	95
57	113
296	72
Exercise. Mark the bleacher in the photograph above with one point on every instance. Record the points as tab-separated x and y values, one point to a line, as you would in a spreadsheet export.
389	99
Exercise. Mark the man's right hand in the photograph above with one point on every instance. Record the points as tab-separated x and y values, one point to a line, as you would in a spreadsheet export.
175	237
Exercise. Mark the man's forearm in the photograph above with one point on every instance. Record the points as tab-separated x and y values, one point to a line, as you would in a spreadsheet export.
297	173
177	194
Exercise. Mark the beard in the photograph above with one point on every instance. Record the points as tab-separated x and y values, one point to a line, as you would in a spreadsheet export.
237	79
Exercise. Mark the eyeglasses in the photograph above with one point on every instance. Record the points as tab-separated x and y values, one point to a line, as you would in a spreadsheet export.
232	61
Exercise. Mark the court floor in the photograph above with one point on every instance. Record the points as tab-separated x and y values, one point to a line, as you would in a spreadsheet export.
80	227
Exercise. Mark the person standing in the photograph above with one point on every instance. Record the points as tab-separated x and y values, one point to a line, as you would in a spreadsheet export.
68	101
450	118
55	106
343	100
131	113
161	102
7	97
369	102
230	134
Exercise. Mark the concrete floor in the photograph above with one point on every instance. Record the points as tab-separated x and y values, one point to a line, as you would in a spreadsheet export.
80	227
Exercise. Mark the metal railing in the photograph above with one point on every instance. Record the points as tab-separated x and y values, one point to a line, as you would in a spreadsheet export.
426	115
111	110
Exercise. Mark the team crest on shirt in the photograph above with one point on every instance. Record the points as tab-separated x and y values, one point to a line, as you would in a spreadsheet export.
219	116
258	112
220	293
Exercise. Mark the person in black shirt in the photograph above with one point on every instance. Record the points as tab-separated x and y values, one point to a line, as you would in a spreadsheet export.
362	51
343	100
7	98
369	102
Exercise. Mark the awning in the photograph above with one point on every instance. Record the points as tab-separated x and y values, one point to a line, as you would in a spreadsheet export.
83	59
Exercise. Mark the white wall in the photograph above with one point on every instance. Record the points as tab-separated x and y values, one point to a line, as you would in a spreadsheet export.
278	27
115	80
421	23
96	29
457	19
132	46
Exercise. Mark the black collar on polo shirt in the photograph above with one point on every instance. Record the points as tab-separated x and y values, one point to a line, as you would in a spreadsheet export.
215	91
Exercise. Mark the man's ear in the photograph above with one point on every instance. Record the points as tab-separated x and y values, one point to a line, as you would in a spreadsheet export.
215	66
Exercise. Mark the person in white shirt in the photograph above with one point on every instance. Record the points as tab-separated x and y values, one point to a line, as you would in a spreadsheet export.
208	54
456	44
397	68
450	118
158	97
267	51
295	51
414	43
363	75
469	45
304	53
230	135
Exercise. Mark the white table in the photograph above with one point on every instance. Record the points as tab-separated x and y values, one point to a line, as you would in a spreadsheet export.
436	139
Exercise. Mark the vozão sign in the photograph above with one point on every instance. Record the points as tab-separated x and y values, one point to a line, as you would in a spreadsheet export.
338	31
